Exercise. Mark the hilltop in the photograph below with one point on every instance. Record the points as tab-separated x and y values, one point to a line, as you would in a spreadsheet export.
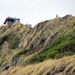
48	41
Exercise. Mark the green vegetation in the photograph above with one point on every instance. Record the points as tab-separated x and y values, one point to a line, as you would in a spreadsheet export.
62	45
55	37
13	40
18	55
1	40
23	52
1	61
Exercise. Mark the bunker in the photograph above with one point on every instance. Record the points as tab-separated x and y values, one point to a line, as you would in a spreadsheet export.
9	21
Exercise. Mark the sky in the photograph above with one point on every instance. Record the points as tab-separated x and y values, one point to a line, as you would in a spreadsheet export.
34	11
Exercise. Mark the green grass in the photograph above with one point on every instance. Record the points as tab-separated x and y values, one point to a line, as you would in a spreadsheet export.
18	55
1	61
13	40
61	45
1	40
22	52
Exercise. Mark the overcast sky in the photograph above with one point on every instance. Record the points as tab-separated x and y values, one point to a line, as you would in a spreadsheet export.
34	11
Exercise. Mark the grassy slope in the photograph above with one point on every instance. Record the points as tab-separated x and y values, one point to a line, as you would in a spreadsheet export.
58	40
63	45
9	42
63	66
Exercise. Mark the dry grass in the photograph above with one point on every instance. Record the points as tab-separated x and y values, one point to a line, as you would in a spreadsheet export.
46	30
63	66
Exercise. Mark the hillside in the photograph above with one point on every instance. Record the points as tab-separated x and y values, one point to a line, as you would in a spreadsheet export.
22	45
63	66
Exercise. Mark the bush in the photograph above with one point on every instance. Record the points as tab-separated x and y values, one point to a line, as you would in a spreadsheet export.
13	40
1	40
36	58
1	60
23	52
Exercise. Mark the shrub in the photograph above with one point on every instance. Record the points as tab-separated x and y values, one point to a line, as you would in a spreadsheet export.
1	60
1	40
13	40
23	52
